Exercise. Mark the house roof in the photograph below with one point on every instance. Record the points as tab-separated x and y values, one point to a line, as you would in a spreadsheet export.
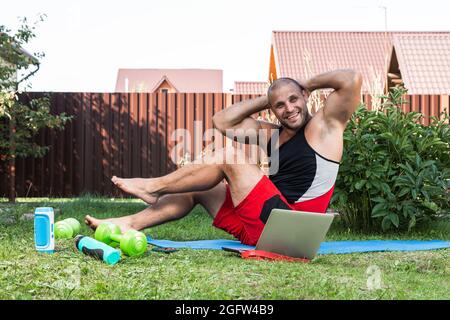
424	62
250	87
299	54
183	80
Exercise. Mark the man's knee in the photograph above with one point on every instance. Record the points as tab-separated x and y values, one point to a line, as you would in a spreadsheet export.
221	156
211	199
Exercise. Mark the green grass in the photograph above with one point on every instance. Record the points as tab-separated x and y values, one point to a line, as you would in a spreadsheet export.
204	274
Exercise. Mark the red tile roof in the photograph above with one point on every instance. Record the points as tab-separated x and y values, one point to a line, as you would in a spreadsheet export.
249	87
424	62
184	80
366	52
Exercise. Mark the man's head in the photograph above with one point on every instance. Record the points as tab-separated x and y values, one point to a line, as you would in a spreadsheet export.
287	99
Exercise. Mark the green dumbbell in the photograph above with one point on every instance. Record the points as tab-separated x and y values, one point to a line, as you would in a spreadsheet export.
67	228
132	242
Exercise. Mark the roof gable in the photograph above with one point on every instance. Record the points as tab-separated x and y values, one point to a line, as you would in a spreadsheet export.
160	82
424	62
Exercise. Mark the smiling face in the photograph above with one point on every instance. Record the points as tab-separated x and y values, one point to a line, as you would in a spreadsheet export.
288	103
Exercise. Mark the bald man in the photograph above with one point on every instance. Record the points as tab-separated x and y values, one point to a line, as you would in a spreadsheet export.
239	196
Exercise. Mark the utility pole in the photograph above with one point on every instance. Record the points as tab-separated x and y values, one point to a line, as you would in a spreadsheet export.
386	48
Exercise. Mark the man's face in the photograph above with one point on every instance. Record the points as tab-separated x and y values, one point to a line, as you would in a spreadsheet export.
288	103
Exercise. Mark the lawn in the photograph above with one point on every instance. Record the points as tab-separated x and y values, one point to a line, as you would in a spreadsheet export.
203	274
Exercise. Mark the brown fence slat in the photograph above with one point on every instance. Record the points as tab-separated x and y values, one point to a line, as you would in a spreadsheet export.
97	105
68	148
77	123
190	122
88	143
115	134
153	132
51	154
444	106
59	150
171	126
425	109
106	150
143	129
406	107
434	106
180	124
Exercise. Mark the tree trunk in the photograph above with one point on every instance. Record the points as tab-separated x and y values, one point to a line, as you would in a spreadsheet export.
12	180
12	161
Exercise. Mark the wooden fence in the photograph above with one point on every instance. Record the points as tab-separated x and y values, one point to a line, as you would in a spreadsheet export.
128	135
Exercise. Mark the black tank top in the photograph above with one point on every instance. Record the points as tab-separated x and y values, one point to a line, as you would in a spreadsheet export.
302	173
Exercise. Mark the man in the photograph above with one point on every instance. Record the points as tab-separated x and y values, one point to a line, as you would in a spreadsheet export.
310	148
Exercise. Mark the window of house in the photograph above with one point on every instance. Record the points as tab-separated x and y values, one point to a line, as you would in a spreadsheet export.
164	91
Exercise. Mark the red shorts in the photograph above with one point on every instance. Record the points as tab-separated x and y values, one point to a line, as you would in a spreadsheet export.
246	221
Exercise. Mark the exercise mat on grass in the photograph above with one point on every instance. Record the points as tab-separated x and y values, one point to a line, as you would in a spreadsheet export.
331	247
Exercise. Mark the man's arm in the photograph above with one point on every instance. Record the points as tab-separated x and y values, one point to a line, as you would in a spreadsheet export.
236	119
344	100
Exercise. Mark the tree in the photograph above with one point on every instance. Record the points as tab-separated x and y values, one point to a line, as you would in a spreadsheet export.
21	119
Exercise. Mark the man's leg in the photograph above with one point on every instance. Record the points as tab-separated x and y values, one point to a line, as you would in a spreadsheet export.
179	193
168	208
199	177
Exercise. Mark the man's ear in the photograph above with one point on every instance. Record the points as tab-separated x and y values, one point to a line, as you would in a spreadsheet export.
306	93
269	104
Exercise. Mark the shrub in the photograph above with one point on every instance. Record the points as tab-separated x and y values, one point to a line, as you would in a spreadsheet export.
394	170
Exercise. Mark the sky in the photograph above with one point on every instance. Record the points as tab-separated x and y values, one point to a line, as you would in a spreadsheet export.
86	42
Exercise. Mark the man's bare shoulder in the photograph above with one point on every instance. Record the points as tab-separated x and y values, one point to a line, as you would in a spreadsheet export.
325	139
319	123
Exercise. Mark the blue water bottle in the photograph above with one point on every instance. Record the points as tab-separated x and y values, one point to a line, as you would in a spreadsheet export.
44	237
97	249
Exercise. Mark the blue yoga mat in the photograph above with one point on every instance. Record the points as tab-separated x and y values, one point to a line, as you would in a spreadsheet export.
335	247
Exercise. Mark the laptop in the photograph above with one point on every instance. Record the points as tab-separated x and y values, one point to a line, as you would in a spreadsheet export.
295	234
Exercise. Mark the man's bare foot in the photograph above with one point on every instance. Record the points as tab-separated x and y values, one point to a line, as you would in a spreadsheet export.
124	223
138	187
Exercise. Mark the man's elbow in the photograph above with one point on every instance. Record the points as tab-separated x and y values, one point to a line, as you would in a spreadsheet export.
353	79
357	79
217	121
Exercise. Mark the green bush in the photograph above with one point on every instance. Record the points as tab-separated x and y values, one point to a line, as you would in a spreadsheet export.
394	171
